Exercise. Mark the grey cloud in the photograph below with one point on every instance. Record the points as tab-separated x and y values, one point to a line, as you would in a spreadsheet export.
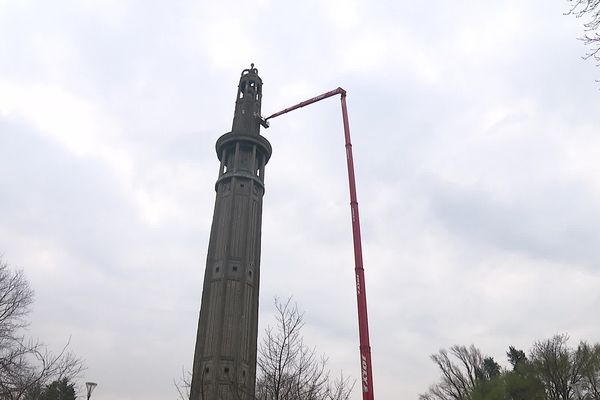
555	222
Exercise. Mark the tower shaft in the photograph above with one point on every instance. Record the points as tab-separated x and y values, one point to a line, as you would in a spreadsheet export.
226	343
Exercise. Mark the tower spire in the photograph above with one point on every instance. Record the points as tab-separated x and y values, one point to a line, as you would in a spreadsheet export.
246	117
225	356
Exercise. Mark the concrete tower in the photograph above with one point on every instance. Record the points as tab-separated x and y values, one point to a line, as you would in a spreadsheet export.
225	356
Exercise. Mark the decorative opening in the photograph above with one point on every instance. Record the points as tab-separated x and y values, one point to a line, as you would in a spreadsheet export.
226	370
217	269
235	268
206	371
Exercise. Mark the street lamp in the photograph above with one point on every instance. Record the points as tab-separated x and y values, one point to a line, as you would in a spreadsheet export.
90	388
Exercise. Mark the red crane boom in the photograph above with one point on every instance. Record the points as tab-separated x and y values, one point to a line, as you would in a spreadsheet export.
361	294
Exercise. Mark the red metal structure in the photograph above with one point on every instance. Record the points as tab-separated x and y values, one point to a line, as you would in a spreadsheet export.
361	294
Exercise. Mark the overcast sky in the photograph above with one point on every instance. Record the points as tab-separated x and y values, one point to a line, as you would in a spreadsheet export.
475	130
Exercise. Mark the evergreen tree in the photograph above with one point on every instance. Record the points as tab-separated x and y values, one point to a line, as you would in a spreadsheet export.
515	357
61	389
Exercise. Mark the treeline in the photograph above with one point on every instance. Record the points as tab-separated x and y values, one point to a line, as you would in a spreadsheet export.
552	370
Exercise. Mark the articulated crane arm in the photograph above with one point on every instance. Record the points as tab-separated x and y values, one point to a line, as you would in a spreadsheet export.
361	294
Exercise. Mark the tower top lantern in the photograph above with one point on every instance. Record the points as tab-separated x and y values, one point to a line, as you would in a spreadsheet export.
246	117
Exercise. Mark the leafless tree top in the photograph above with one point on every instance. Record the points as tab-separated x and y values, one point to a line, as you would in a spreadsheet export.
25	363
589	9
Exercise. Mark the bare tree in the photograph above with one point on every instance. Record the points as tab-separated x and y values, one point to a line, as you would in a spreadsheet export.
288	369
590	382
183	384
24	363
589	9
559	367
459	377
340	388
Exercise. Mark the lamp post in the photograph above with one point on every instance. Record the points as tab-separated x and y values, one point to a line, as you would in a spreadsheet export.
90	388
